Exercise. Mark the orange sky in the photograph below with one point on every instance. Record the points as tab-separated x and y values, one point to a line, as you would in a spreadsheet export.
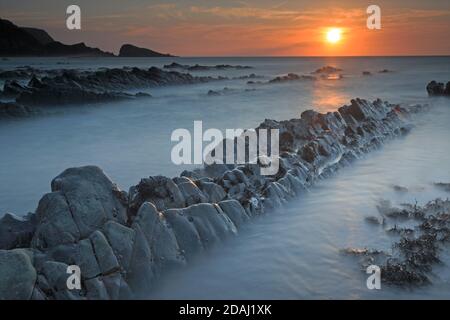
246	28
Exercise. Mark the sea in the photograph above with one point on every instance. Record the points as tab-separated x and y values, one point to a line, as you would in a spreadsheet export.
293	252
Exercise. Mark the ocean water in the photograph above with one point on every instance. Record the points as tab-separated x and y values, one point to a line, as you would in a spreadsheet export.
292	253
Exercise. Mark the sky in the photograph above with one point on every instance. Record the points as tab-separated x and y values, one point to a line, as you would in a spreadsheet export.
244	28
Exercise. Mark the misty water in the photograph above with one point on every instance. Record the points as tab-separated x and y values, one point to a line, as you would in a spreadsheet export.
293	252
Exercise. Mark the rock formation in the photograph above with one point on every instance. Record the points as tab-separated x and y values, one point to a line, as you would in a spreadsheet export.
123	241
17	41
128	50
198	67
66	86
438	89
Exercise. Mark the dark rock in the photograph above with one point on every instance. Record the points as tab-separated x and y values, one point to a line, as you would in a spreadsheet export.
290	77
15	110
327	69
17	275
16	41
438	89
128	50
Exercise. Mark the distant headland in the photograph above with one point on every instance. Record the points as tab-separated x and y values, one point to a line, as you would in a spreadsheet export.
23	41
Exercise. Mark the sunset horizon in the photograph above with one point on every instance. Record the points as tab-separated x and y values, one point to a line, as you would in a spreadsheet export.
246	28
217	158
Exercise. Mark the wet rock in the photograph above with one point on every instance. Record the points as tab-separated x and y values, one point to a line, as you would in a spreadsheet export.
212	191
96	289
124	242
160	237
83	199
15	110
366	73
56	275
12	89
77	87
438	89
187	236
211	223
159	190
116	287
121	240
191	193
17	275
213	93
16	232
234	210
327	69
140	275
198	67
55	223
88	260
106	259
290	77
443	186
400	188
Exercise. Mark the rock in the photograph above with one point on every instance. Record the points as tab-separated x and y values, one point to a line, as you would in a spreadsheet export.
187	236
17	275
121	240
16	232
13	89
327	69
55	223
191	193
443	186
290	77
15	110
234	210
213	93
64	87
366	73
212	191
87	260
211	223
140	275
159	190
124	242
91	198
56	275
116	287
106	259
128	50
160	238
437	89
96	289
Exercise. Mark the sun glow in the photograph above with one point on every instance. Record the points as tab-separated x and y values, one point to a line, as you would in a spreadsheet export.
334	35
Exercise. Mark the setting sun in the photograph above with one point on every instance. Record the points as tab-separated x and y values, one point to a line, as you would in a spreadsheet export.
334	35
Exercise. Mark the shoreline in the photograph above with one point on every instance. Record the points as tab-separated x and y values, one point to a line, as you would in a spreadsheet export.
86	218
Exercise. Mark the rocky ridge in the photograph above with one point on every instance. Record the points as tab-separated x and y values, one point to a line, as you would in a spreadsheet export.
123	241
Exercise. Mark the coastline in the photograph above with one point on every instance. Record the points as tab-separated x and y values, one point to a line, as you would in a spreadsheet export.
169	221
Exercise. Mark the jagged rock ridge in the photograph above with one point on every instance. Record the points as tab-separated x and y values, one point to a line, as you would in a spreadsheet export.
124	241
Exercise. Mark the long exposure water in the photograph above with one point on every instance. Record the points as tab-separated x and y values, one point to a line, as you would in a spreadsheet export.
293	252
